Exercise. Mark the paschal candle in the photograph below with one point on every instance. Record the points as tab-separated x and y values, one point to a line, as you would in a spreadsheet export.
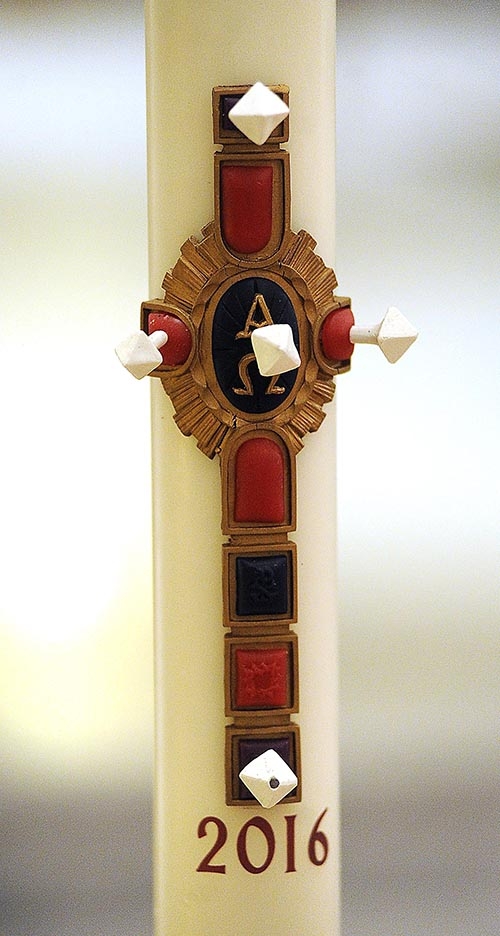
244	506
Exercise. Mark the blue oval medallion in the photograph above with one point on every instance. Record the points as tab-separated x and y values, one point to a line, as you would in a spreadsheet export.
248	304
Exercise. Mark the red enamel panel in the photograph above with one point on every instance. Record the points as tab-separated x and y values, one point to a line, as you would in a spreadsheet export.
259	482
334	335
262	678
246	207
178	347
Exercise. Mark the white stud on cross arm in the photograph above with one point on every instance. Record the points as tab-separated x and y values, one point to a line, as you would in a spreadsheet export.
394	334
274	350
140	354
269	778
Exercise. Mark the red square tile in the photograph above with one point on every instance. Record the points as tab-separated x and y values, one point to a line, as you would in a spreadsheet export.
262	677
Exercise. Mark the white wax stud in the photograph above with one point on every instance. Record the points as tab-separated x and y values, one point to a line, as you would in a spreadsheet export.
258	113
140	354
269	778
394	334
274	350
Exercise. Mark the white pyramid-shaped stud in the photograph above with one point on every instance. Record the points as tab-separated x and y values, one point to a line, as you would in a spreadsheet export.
394	334
274	350
140	354
258	112
269	778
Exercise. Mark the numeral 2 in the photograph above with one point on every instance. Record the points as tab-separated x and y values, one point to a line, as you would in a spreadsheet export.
205	865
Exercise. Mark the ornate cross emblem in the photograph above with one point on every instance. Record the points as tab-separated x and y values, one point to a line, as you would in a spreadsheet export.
246	342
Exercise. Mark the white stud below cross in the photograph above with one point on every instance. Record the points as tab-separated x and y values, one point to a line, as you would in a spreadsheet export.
394	334
269	778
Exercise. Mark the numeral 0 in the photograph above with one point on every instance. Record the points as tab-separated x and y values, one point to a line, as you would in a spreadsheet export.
241	845
317	846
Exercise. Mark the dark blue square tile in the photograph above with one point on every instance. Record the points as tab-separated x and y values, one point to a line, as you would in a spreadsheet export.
263	585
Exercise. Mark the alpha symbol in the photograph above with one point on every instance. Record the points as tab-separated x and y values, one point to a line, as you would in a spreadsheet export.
259	305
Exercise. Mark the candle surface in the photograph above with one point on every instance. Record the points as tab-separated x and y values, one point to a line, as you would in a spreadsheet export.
225	870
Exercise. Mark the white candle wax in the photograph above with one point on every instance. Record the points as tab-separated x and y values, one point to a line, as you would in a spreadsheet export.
192	47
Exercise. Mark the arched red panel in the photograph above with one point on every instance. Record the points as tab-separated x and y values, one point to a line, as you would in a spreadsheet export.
260	482
246	207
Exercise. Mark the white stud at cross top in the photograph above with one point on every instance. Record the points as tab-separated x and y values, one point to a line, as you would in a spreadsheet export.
394	334
140	353
258	113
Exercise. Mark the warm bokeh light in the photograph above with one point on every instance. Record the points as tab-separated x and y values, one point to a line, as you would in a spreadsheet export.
75	601
417	226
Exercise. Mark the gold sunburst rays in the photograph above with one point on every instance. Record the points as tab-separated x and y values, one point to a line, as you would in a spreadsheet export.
189	286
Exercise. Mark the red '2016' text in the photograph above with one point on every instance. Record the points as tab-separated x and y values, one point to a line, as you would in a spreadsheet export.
317	846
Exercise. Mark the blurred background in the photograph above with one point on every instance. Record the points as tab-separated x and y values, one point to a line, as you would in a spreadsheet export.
418	226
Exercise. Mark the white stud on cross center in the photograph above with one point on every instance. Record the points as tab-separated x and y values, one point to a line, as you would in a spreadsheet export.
274	350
